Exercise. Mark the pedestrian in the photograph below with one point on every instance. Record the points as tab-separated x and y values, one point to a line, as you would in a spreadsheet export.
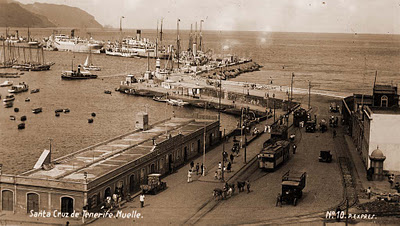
219	165
334	133
189	176
278	200
216	175
232	157
201	169
229	167
191	165
369	192
294	148
397	187
338	211
391	180
67	224
248	186
141	198
197	168
265	128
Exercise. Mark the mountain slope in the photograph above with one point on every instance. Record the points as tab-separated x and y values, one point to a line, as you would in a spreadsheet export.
13	15
64	16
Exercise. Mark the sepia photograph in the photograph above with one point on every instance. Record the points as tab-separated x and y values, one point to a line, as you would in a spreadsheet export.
174	112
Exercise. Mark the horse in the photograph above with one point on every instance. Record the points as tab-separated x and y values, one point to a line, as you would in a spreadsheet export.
218	194
241	185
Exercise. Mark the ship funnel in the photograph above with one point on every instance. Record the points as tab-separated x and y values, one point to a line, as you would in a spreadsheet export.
158	65
72	33
194	49
138	35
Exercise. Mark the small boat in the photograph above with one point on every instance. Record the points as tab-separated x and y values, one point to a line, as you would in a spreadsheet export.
58	110
93	114
37	110
77	75
179	102
16	110
35	90
57	114
23	118
9	98
88	65
160	99
21	126
22	87
12	117
90	120
66	110
107	91
9	104
27	99
6	83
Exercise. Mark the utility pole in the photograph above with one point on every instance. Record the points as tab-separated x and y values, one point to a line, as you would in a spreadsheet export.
309	94
223	160
204	150
291	92
273	96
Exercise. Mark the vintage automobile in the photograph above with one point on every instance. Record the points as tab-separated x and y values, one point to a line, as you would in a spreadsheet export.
311	126
334	107
325	156
154	184
293	184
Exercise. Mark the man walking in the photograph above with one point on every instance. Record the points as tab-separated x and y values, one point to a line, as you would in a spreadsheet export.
197	169
189	176
369	192
294	149
279	200
248	186
141	198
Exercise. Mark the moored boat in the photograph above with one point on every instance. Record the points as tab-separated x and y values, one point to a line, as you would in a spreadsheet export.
9	104
21	126
22	87
35	90
160	99
9	98
6	83
37	110
89	66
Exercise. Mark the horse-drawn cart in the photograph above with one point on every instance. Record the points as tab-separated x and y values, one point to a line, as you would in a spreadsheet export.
154	184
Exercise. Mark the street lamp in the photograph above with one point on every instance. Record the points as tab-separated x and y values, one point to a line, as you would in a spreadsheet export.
177	39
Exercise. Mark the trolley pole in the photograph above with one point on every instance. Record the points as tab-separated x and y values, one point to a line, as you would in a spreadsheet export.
223	161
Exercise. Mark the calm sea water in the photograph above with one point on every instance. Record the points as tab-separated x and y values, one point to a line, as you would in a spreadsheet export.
344	63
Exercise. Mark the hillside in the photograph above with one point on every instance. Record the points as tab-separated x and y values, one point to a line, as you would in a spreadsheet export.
13	15
64	16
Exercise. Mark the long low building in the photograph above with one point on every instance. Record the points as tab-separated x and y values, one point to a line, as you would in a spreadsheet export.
83	179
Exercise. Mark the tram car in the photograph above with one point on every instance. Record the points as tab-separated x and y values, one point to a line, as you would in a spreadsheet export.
273	155
300	115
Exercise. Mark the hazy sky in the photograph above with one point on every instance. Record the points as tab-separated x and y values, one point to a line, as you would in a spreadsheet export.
341	16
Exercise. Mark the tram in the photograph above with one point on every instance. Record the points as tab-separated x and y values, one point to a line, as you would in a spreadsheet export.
274	155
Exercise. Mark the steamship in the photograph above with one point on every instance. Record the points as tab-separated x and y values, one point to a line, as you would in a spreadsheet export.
137	47
71	43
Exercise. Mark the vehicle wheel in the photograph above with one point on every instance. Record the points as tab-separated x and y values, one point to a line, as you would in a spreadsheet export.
294	201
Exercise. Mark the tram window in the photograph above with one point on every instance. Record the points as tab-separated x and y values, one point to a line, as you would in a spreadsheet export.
265	159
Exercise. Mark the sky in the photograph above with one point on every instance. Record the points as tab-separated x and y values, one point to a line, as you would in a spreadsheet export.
331	16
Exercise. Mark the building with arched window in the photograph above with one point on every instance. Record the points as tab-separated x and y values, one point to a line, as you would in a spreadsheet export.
85	178
374	121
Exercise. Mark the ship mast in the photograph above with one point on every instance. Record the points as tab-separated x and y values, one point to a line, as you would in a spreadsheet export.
191	37
177	39
201	36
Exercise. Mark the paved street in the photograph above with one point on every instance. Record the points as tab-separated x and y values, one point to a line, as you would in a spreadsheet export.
192	203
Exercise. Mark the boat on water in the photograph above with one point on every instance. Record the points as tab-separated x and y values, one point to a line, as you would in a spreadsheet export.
27	99
35	90
9	104
77	75
21	126
6	83
178	102
160	99
9	98
37	110
21	87
12	117
89	66
107	91
71	43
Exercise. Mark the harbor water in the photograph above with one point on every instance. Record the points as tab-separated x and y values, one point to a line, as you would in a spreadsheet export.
337	63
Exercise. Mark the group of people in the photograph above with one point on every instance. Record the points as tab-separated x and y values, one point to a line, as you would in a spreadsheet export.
227	167
194	169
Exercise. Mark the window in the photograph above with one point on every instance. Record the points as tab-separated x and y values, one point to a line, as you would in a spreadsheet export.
384	101
32	202
67	205
7	200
